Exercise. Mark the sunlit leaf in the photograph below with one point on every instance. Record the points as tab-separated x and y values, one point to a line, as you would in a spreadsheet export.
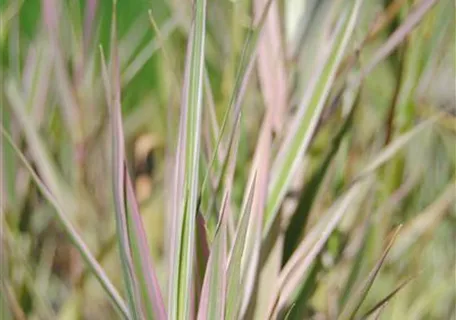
304	124
186	171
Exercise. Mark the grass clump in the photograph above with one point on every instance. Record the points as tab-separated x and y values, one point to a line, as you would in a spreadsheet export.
227	160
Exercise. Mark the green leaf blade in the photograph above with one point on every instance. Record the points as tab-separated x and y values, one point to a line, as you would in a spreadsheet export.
304	125
186	171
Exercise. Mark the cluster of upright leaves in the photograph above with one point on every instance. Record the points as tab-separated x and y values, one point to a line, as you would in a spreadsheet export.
186	172
214	273
143	292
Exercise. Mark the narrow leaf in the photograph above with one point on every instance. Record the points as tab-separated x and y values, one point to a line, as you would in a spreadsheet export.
357	264
245	67
386	299
212	301
138	62
294	271
201	255
259	172
71	232
89	19
354	302
400	34
118	174
271	63
70	108
299	308
147	278
424	222
298	220
186	188
234	288
395	146
46	167
304	124
141	282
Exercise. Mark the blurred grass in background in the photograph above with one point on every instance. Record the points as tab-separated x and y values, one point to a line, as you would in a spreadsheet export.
53	105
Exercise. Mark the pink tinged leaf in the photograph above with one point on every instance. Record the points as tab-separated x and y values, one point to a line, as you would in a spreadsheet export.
50	9
70	108
212	301
177	201
146	268
246	64
187	170
271	65
400	34
30	69
36	79
251	255
297	266
304	124
234	288
90	12
141	282
118	167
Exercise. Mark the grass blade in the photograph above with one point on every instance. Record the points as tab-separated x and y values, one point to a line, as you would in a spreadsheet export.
234	289
424	222
187	170
399	35
302	129
141	282
379	305
89	19
259	172
212	301
119	176
226	166
215	308
354	302
378	313
46	167
134	67
294	271
393	147
248	57
69	229
271	65
150	288
8	168
13	307
201	255
51	10
299	217
298	309
356	268
36	80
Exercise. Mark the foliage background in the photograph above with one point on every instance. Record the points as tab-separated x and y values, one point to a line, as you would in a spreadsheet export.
52	63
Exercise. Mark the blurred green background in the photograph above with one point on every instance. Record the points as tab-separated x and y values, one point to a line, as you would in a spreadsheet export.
50	62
